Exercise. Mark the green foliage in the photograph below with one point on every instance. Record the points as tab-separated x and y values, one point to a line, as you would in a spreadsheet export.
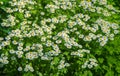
108	57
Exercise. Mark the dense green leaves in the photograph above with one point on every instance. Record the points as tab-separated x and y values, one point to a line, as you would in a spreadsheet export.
108	57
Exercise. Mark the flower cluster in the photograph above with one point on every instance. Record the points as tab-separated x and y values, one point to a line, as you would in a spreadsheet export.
11	21
4	59
41	36
91	6
31	55
90	63
80	53
63	64
61	4
27	68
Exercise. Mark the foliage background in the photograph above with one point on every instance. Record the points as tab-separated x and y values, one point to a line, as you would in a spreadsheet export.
108	56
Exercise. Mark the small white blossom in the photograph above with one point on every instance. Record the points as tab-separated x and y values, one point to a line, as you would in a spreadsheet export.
19	68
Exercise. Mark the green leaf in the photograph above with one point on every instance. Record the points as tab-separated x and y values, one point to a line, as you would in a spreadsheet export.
110	49
98	52
19	15
66	53
56	60
88	73
118	69
79	62
39	73
28	74
4	0
105	67
64	70
109	73
100	60
111	60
